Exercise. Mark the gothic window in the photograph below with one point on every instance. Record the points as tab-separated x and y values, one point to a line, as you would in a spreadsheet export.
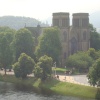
84	22
84	35
73	45
76	22
65	36
56	22
64	22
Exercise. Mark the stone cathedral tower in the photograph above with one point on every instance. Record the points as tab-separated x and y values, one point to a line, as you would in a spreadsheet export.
73	38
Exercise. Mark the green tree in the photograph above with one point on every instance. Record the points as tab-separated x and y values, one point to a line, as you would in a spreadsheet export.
49	44
93	53
94	38
23	43
5	54
38	71
79	61
94	73
24	66
45	70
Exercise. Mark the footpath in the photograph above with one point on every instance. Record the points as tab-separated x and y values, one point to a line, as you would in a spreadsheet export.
71	80
63	78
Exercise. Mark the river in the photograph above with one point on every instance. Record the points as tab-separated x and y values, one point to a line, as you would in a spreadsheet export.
10	91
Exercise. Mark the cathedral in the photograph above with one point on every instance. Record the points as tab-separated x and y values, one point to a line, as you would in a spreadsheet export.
75	37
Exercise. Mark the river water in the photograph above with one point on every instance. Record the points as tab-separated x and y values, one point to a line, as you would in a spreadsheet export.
10	91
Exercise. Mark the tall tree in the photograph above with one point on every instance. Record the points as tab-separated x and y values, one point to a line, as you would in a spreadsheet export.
49	44
5	53
24	42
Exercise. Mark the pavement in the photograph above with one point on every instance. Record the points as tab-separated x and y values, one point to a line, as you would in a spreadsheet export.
76	79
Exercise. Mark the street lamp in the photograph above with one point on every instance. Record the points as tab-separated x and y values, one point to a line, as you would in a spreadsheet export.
55	68
65	73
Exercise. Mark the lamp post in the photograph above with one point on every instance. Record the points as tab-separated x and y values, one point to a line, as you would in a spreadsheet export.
65	73
55	68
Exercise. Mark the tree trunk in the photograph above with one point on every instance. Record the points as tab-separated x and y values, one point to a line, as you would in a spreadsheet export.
24	76
5	71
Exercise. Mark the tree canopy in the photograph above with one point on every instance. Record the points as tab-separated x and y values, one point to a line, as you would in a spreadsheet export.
6	53
43	68
24	66
94	73
23	43
49	44
80	60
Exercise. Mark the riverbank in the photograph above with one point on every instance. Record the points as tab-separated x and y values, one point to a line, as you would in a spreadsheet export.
62	88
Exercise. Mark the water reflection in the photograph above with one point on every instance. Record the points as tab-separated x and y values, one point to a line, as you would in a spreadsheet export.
9	91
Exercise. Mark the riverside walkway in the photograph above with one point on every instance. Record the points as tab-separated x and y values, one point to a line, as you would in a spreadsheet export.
76	79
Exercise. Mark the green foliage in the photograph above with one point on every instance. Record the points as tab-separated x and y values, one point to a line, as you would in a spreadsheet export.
93	53
49	44
23	43
24	66
37	71
94	38
45	70
80	60
94	73
6	55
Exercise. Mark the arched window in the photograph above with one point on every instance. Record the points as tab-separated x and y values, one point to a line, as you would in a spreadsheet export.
64	36
84	35
73	45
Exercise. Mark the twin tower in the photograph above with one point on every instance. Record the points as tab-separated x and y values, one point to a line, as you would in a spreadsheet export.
75	37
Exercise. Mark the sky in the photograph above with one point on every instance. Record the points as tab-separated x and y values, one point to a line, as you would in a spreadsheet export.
42	9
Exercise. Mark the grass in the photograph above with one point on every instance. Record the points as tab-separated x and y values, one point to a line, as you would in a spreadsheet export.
70	89
62	88
59	70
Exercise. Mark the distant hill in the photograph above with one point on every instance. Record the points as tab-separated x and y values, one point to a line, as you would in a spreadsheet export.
17	22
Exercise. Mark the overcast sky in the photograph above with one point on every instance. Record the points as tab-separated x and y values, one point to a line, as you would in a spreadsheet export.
42	9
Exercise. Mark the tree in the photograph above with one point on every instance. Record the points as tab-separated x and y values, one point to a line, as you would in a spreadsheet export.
79	61
24	66
94	73
49	44
93	53
23	43
44	67
8	35
94	38
5	54
38	71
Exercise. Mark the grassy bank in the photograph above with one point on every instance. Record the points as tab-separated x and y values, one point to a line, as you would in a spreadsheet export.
59	70
56	86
